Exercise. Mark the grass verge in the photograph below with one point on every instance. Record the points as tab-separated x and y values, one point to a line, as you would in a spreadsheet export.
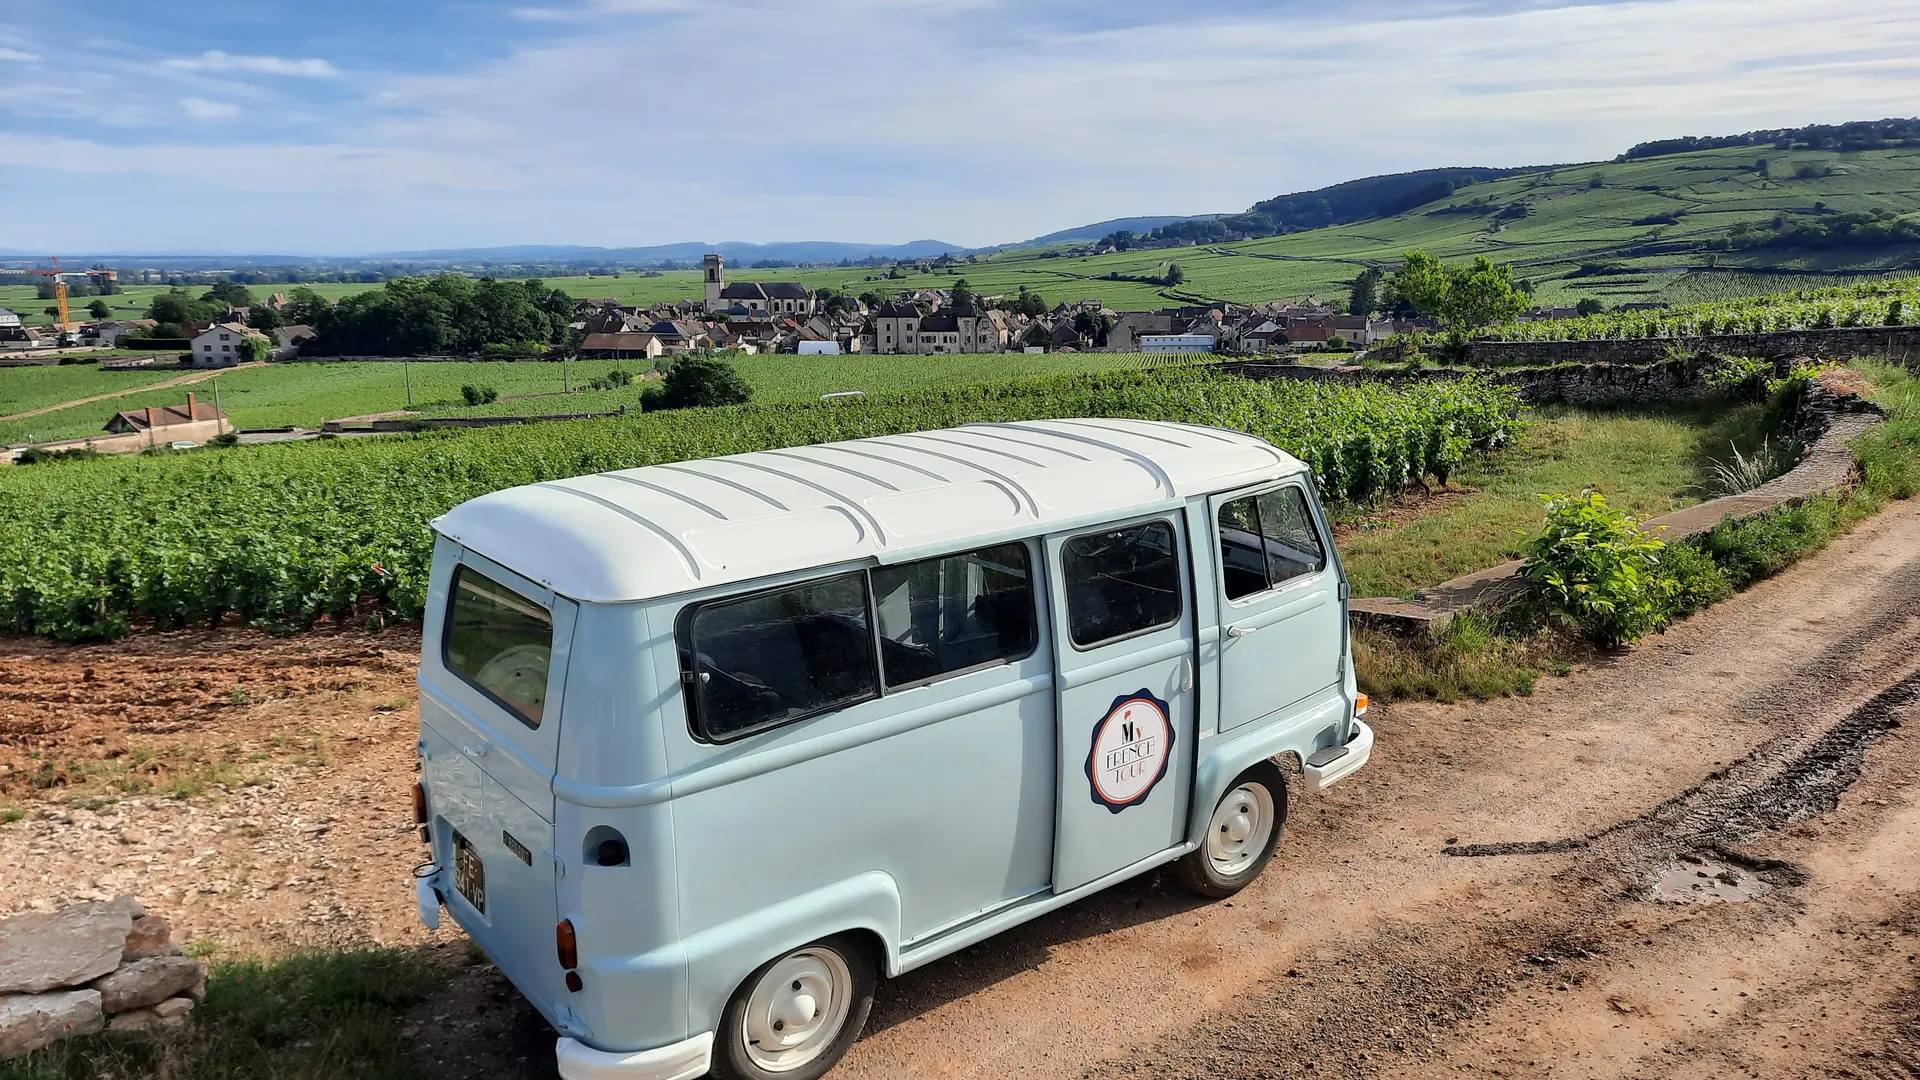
312	1016
1476	658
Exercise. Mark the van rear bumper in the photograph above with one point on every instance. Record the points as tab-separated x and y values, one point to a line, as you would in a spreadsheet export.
681	1061
1326	768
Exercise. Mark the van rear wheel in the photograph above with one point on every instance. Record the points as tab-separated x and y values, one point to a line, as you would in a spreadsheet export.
794	1017
1241	834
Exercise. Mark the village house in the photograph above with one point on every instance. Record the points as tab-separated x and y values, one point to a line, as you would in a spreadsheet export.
222	345
623	346
287	340
194	421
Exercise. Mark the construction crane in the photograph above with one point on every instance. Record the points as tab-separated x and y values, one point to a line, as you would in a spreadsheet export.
65	324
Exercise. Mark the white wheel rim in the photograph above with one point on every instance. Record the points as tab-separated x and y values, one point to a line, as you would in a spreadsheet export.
1240	828
797	1008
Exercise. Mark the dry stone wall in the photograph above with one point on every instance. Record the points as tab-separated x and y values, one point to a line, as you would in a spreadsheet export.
90	968
1836	344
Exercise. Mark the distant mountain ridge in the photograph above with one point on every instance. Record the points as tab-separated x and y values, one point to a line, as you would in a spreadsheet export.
734	251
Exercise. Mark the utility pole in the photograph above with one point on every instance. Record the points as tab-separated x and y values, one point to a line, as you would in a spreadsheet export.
219	417
408	365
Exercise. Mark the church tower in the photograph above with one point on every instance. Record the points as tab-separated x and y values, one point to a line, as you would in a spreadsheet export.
716	268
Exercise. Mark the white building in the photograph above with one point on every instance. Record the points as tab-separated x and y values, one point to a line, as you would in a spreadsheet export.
8	320
1180	343
819	348
220	345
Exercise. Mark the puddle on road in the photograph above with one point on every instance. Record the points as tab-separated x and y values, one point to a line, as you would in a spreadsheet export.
1699	880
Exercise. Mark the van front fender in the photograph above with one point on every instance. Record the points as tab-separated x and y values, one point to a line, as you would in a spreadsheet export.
1317	724
721	957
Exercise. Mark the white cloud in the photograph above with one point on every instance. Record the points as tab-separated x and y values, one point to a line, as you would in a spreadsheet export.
16	54
201	109
213	60
976	123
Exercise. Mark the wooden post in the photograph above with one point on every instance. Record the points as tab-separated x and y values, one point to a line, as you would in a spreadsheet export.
408	365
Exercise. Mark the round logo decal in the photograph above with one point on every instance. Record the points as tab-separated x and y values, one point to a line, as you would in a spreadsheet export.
1131	747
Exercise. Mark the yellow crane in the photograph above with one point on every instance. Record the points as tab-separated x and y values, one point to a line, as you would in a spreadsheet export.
59	293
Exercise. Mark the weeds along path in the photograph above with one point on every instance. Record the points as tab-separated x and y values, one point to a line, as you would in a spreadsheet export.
184	380
1365	950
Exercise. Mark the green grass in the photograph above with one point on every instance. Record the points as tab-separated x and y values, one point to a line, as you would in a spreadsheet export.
1474	657
314	1016
1649	462
308	393
24	388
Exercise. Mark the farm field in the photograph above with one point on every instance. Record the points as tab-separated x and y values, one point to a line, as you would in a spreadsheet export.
309	393
24	388
292	531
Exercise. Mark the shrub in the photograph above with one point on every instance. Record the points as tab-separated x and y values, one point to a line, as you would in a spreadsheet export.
225	439
37	456
611	380
703	382
479	395
1596	568
1742	378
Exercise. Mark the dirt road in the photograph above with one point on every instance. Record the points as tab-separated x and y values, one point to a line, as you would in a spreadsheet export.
184	380
1476	902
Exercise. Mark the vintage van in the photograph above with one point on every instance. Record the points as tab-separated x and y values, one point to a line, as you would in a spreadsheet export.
708	748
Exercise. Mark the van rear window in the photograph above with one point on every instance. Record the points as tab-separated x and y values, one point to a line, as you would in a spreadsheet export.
500	642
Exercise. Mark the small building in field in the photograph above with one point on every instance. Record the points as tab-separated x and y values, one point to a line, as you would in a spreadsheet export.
818	348
8	320
622	346
190	422
1176	343
222	345
287	340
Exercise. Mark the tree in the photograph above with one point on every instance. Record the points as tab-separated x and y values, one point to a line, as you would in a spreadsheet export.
1028	303
178	307
1363	297
1094	326
254	350
1465	298
1590	306
303	307
262	317
1175	275
872	299
229	294
99	309
703	381
962	294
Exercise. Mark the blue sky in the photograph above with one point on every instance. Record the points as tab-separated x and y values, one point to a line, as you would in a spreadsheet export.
348	126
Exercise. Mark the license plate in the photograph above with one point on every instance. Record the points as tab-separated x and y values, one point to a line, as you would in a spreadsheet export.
469	873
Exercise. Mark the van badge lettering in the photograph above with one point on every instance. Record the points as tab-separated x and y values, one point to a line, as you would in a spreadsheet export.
516	847
1132	746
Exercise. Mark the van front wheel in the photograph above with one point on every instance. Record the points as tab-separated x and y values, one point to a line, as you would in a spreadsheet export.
1241	835
794	1017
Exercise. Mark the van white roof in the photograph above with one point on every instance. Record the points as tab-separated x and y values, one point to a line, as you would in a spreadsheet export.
656	531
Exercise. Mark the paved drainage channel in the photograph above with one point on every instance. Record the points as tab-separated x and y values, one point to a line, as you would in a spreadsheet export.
1687	835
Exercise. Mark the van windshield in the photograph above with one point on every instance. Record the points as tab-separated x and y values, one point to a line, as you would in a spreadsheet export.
500	642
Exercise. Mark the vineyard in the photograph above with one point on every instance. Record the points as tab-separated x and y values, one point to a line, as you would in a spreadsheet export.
289	533
1894	302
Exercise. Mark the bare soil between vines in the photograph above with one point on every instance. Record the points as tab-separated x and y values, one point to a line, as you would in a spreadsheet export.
254	789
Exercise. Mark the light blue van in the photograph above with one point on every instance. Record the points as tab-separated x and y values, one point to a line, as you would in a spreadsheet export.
709	748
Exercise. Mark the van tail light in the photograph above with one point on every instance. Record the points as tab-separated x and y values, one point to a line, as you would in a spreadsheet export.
1360	705
419	803
568	947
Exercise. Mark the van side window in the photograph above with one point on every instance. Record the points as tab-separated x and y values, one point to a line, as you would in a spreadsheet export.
776	656
954	612
1121	582
1266	539
500	642
1292	541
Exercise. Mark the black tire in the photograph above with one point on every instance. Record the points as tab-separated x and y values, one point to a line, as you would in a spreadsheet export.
731	1060
1198	871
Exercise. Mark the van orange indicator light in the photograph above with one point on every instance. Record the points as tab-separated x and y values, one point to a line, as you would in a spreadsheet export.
1360	705
419	803
569	949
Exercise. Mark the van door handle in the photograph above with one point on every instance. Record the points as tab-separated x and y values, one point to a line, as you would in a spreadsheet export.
1186	676
1240	630
478	751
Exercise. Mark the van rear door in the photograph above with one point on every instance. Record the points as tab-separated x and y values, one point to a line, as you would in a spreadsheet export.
494	660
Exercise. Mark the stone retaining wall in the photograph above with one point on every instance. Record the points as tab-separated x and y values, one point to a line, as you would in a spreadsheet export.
1571	384
1842	343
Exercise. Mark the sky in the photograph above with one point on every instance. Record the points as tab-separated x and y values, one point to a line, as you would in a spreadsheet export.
354	126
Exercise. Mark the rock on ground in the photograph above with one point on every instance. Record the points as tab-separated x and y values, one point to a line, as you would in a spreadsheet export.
151	936
31	1021
40	951
148	982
